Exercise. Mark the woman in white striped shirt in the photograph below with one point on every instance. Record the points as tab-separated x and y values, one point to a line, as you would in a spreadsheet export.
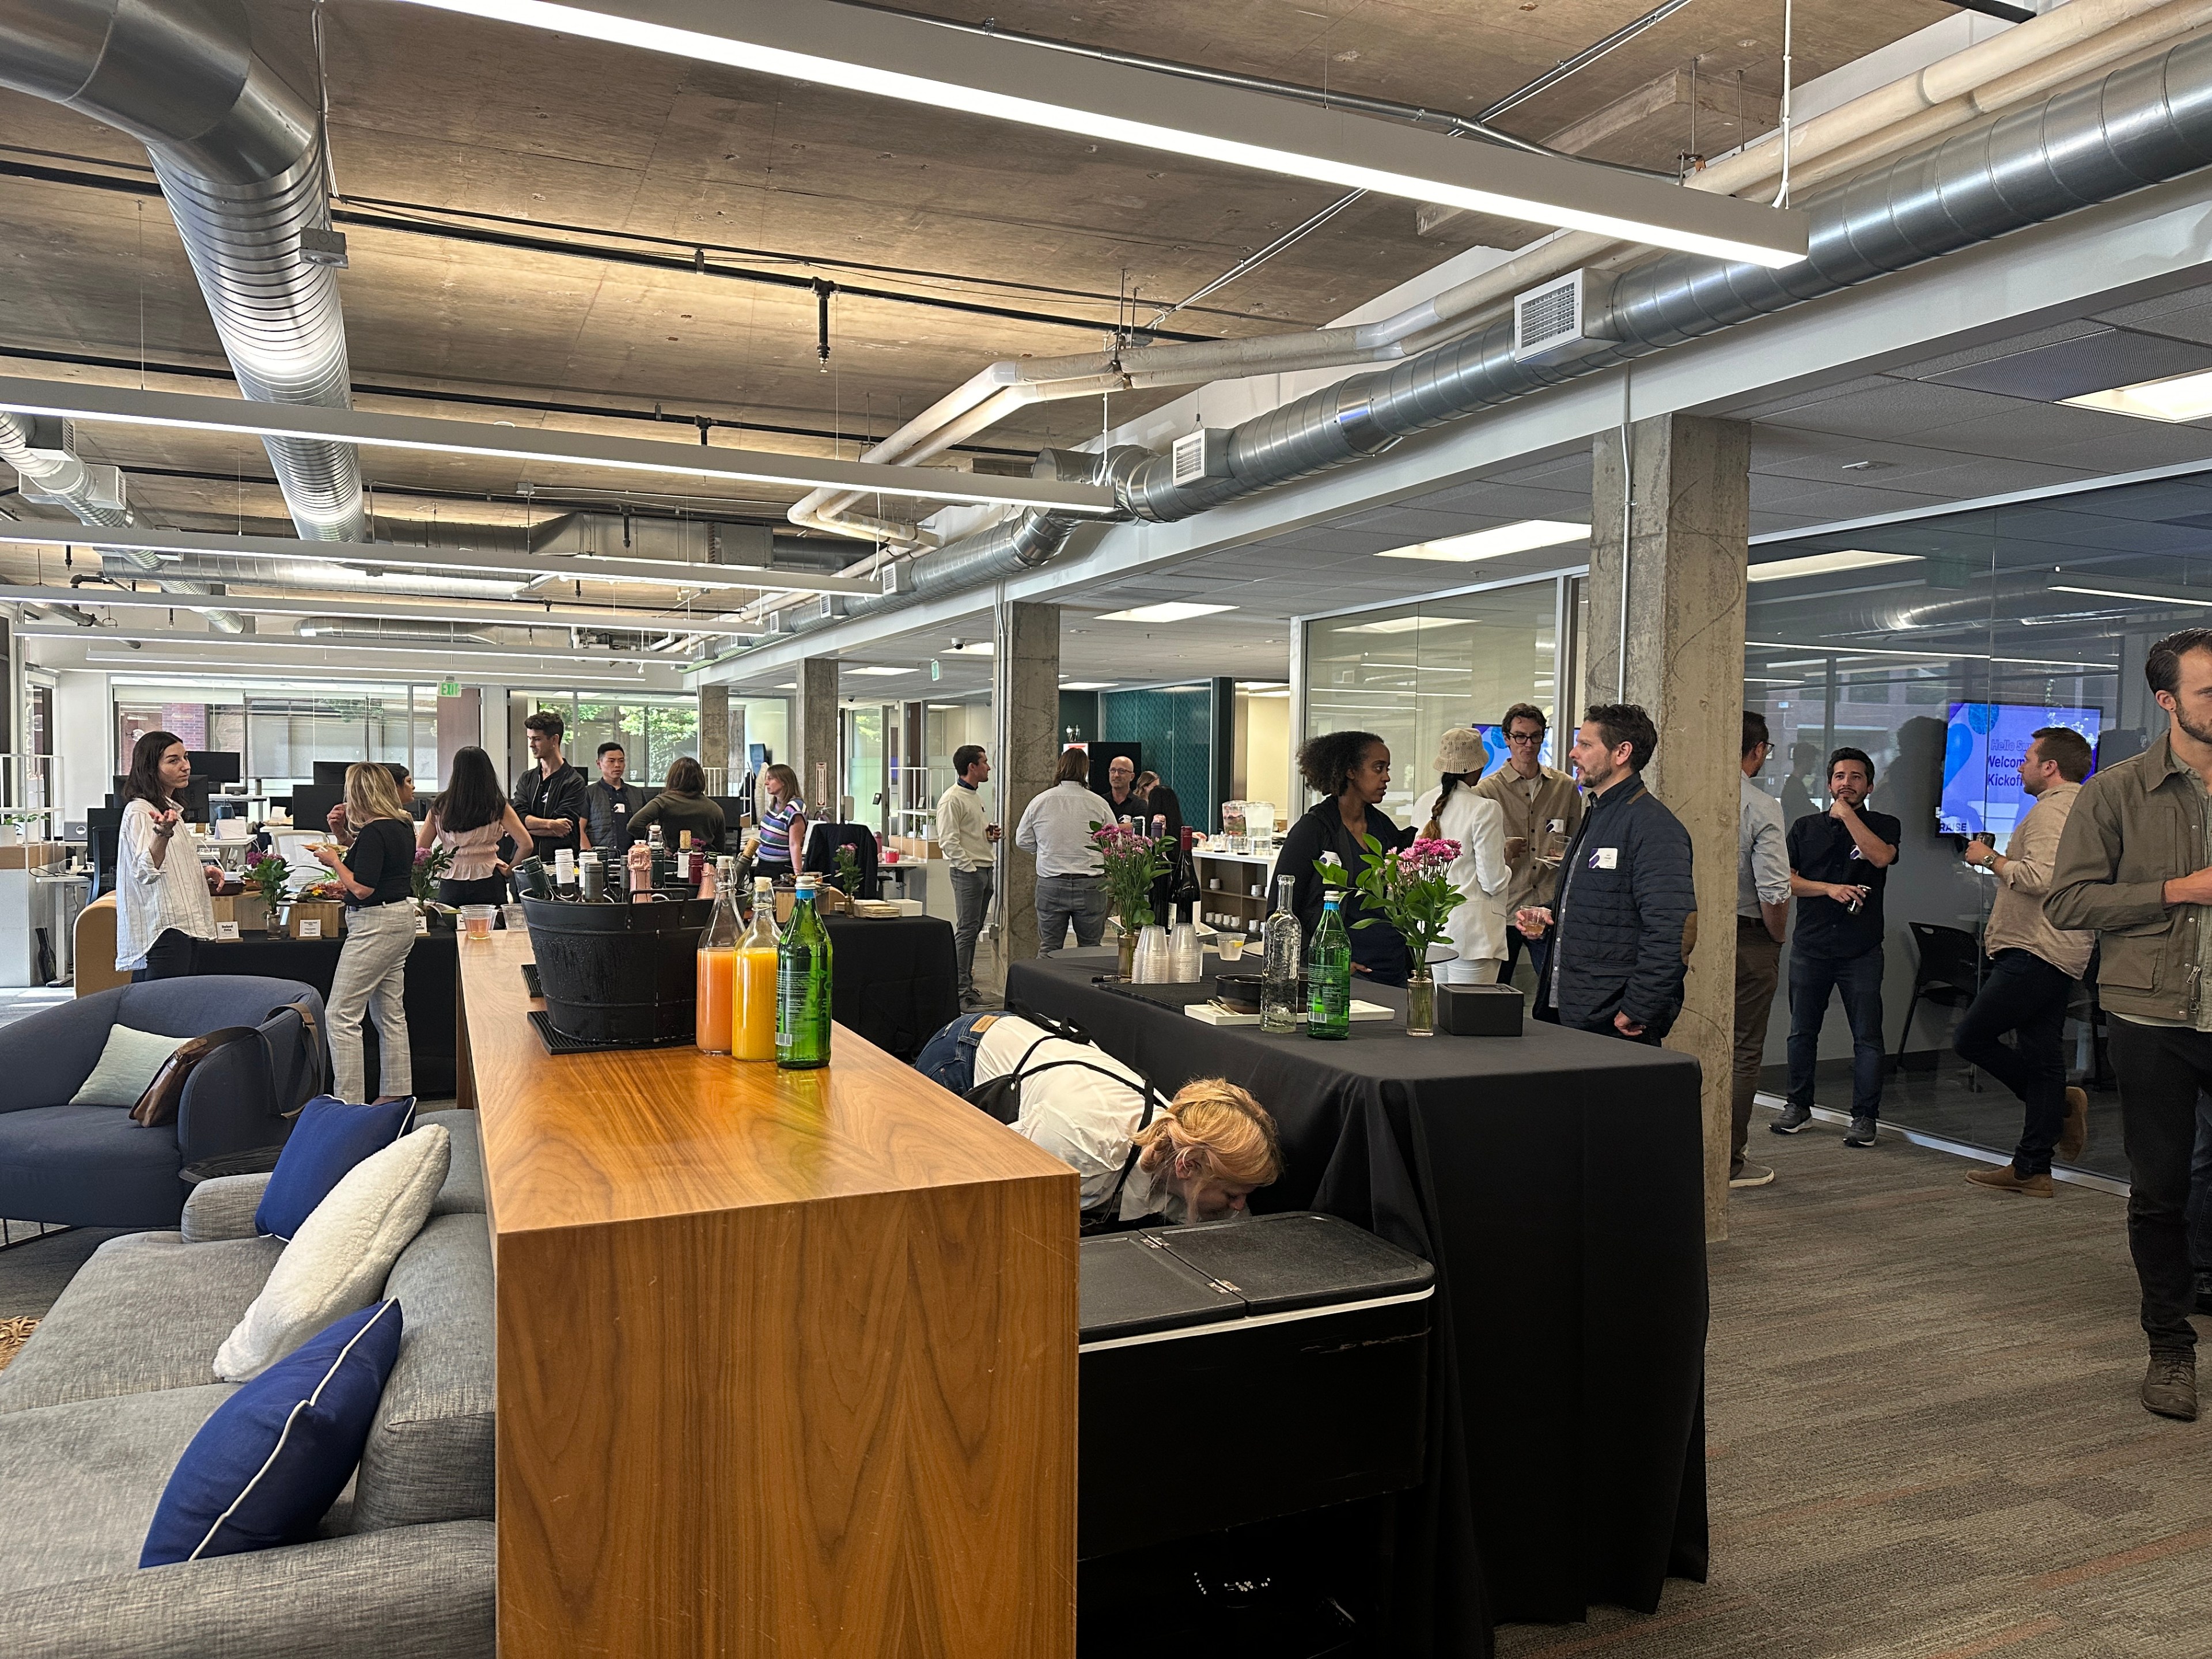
162	901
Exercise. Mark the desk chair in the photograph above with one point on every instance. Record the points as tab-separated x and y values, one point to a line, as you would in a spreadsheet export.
823	841
1949	972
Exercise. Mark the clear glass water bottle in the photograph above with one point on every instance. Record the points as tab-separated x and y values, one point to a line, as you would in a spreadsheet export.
802	985
1328	976
1284	956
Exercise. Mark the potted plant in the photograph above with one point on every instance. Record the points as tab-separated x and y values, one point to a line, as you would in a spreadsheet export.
1133	862
1407	887
848	878
266	877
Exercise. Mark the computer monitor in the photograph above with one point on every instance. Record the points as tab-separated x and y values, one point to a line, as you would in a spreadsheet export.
215	765
1982	751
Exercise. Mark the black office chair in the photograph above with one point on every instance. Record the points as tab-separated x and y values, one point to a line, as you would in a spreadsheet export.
823	841
1949	972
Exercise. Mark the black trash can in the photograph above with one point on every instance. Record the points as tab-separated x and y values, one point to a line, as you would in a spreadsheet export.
618	973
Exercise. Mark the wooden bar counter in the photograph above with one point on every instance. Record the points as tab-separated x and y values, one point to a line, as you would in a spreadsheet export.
787	1359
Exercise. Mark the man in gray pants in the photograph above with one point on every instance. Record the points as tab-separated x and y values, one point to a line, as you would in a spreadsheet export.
968	840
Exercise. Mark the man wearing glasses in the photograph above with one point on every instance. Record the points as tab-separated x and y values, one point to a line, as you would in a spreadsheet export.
1542	810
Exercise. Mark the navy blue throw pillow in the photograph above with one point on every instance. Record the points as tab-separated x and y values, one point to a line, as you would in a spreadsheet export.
329	1139
269	1464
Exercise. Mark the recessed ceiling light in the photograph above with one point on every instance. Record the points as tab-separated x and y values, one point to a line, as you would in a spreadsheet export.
1407	624
1262	685
905	58
2178	398
1493	544
1823	564
1088	685
1172	611
878	670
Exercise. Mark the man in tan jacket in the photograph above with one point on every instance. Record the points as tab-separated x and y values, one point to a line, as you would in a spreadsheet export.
1543	809
2135	865
2033	969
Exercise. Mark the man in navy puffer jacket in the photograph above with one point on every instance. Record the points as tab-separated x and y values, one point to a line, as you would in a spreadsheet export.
1625	916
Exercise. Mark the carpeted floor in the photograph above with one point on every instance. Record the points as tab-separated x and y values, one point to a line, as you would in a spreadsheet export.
1924	1441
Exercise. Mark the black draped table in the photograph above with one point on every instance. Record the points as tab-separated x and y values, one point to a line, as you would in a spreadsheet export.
430	995
1555	1181
894	979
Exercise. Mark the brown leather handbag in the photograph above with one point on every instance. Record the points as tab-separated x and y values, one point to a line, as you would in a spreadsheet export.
166	1093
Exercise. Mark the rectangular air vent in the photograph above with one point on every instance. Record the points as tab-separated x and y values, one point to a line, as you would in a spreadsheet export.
1201	454
1562	318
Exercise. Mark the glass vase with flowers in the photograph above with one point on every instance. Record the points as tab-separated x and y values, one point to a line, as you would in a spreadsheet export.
1408	887
1133	862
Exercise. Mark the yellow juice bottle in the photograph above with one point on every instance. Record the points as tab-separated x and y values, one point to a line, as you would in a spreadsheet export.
752	1025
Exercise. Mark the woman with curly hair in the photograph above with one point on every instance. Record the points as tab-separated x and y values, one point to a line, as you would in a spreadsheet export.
1351	772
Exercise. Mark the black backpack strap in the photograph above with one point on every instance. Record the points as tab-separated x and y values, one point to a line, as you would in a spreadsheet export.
1103	1212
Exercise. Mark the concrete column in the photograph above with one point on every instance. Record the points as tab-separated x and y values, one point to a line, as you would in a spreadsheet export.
460	726
1688	485
814	737
714	732
1025	715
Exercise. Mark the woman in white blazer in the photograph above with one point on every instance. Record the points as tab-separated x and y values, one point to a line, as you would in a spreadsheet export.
1453	811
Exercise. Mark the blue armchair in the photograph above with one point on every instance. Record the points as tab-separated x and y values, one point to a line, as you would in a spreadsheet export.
91	1166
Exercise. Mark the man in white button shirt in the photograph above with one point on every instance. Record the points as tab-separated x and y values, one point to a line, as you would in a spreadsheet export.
1071	877
968	841
1762	916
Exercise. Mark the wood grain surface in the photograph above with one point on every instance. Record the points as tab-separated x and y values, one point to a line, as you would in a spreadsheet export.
787	1359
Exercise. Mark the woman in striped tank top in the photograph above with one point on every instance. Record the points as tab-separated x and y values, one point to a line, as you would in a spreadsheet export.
783	823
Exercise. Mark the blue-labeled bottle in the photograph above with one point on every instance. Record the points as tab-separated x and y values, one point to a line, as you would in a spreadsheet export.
1328	976
802	985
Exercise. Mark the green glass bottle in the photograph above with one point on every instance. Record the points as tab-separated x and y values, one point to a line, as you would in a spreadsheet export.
802	985
1328	976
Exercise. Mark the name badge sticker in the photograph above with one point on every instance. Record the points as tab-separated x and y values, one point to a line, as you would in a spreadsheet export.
1606	857
1855	852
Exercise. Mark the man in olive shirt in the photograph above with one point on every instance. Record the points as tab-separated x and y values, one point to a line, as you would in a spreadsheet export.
1839	861
2135	865
1534	799
2032	973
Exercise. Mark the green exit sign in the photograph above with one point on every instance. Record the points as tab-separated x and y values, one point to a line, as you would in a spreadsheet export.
936	672
449	688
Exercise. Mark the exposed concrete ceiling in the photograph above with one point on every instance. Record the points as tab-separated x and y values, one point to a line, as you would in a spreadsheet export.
462	129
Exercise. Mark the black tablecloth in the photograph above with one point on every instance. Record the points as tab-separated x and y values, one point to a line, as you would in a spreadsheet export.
894	979
1555	1181
432	994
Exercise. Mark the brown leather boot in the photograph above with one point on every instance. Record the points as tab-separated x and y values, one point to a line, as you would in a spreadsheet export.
2169	1385
2006	1179
2075	1135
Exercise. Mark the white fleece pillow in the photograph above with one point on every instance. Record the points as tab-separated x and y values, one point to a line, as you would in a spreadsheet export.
337	1261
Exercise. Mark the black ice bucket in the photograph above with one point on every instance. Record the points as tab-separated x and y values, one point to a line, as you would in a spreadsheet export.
618	973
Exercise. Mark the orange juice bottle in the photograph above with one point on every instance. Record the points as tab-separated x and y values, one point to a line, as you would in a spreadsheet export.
718	973
753	1022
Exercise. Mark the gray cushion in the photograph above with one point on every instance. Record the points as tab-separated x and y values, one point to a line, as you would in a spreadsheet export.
416	1593
464	1183
82	1479
126	1065
146	1311
222	1207
429	1451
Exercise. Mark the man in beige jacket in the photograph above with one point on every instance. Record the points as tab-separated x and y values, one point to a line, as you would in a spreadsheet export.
2034	969
1543	809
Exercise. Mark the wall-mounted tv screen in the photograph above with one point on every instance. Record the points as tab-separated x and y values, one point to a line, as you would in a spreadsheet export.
1982	752
1496	750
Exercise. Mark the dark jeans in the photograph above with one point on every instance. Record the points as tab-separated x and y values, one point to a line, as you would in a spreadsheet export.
169	957
2162	1068
2024	994
1758	973
948	1058
971	902
2200	1190
1859	978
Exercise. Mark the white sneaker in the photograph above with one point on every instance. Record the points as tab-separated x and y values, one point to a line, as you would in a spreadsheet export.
1752	1174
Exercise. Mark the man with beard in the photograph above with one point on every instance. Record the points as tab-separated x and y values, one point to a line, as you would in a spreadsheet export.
1840	860
2135	865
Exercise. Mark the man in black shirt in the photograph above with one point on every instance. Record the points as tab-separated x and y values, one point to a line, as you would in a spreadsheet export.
550	797
608	803
1838	862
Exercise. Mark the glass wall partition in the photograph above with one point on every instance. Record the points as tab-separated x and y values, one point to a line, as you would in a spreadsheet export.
1939	646
1409	672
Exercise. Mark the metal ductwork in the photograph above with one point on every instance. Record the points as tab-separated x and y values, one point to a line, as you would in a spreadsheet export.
312	576
43	451
238	150
356	630
2140	125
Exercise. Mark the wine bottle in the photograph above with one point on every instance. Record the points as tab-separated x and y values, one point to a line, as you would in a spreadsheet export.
802	985
1328	976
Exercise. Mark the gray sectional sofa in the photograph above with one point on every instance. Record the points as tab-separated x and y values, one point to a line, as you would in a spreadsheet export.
102	1401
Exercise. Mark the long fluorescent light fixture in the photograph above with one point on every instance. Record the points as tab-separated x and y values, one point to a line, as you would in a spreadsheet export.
1523	538
195	411
890	56
2177	397
1926	656
2154	592
1823	564
1172	611
400	647
490	613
